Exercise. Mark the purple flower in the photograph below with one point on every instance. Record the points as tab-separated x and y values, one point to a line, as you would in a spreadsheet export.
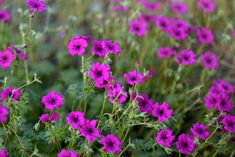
220	86
21	54
47	118
152	6
68	153
185	144
99	48
11	94
100	71
145	103
77	46
211	100
111	144
163	23
3	153
4	112
162	112
209	60
112	47
116	93
205	36
229	123
36	5
179	29
179	7
133	77
53	100
207	6
89	130
166	52
5	16
165	137
200	131
186	57
76	119
6	58
138	27
224	104
148	18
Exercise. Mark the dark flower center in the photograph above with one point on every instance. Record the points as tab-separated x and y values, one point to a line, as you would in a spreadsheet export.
185	144
5	58
230	124
110	144
208	60
143	103
75	119
1	16
164	137
213	100
99	73
222	103
99	48
111	47
136	28
35	5
161	112
78	46
204	36
186	58
53	100
90	130
133	78
200	131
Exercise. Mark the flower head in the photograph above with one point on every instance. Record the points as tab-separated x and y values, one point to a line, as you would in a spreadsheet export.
145	103
186	57
152	6
20	53
68	153
111	144
77	46
229	123
185	144
11	94
179	7
3	153
224	104
4	112
76	119
100	71
6	58
162	112
211	100
5	16
207	6
221	86
138	28
36	5
166	52
200	131
133	77
47	118
117	93
163	23
89	130
99	48
53	100
205	36
165	137
112	47
209	60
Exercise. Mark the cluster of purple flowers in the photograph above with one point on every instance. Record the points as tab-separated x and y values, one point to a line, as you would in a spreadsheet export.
185	143
219	97
187	57
88	129
51	101
11	94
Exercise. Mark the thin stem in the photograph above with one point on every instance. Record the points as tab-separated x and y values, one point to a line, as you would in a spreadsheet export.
102	109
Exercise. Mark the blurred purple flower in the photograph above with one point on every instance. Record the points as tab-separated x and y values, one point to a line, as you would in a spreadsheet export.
209	60
165	137
133	77
77	46
36	5
53	100
162	112
207	6
138	27
5	16
200	131
179	7
185	144
111	144
68	153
